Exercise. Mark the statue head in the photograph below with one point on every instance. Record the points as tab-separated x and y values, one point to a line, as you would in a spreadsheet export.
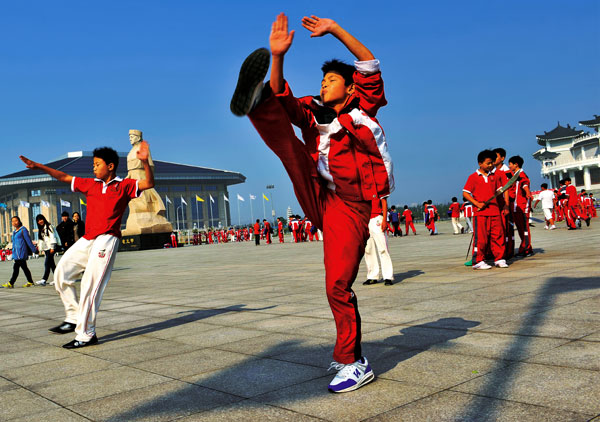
135	136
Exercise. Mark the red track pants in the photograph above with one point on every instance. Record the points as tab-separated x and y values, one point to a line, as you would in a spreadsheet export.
522	223
344	223
487	231
410	224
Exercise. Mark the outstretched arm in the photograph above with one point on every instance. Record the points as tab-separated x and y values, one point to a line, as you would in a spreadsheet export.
320	27
142	154
280	42
57	174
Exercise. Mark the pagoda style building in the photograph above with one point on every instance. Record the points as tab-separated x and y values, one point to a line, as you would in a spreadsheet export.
567	151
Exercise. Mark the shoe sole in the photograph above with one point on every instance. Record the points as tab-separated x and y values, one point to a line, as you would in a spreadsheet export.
367	379
252	73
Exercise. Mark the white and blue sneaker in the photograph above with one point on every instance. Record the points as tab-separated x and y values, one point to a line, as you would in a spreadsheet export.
351	377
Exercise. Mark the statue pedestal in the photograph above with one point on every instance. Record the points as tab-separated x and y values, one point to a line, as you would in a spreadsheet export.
140	242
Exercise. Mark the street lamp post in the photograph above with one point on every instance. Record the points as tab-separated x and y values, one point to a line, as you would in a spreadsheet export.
272	187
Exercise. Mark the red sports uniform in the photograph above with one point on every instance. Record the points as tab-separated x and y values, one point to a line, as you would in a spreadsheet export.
408	221
520	207
280	231
340	167
487	223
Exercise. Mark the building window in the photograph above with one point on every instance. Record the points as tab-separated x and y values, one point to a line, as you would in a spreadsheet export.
36	192
210	187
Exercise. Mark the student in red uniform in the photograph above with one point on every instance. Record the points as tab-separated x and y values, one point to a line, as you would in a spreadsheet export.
593	212
340	167
487	227
572	213
502	171
308	229
280	230
467	209
408	220
455	210
295	228
429	218
267	231
94	254
520	195
257	232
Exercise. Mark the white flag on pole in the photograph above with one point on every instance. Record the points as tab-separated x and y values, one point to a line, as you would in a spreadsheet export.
168	200
183	201
211	198
252	197
25	204
45	203
225	198
64	203
240	197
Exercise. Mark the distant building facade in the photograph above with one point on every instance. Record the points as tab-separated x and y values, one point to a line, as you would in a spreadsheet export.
31	192
567	151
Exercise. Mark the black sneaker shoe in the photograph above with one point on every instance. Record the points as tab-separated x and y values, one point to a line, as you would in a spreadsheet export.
76	344
250	81
587	222
369	282
462	230
65	327
388	282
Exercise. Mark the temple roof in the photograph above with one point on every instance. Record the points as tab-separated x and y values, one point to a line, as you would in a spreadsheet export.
559	132
545	155
79	164
595	122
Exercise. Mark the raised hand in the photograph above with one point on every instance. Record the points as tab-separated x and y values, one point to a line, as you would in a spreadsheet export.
318	26
28	163
143	152
280	39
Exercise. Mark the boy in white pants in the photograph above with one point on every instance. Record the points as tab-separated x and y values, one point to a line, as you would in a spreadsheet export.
107	197
377	245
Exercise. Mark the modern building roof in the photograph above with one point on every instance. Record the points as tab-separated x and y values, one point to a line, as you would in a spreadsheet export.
559	132
594	123
79	163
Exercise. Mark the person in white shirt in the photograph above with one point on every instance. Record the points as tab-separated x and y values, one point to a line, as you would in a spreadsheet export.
47	242
546	196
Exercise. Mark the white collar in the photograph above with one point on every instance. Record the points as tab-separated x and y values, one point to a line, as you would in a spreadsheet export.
116	179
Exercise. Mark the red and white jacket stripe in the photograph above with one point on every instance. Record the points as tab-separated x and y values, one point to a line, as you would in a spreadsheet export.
349	148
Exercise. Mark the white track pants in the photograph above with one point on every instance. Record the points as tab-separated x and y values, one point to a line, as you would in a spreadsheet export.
95	259
377	246
456	225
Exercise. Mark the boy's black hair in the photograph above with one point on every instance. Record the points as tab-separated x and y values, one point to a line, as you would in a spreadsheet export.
545	185
393	207
345	70
516	159
500	151
485	154
65	214
107	154
454	199
406	207
429	201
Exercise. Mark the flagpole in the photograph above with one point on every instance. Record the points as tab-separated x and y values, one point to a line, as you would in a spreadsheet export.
197	216
251	213
167	207
211	216
264	212
239	220
225	211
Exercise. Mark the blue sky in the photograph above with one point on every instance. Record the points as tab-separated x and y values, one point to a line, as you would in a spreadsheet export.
460	77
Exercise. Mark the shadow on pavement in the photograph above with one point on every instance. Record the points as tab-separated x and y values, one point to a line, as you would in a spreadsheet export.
406	275
254	377
501	377
188	316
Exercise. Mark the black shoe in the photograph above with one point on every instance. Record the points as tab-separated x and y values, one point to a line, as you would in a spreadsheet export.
249	86
76	344
572	228
65	327
369	282
388	282
587	222
462	230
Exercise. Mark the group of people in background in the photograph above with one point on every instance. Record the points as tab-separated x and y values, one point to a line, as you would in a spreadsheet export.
50	241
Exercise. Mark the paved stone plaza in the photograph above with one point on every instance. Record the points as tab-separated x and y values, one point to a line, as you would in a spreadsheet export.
238	332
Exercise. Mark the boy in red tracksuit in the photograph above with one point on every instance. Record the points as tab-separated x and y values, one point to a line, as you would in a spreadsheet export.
487	223
280	229
520	205
295	228
267	231
429	218
572	213
455	215
408	220
339	167
308	229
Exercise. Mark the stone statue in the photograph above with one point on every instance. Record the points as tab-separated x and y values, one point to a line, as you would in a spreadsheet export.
146	213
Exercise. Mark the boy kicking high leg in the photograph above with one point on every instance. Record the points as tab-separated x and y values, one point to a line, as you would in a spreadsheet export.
341	165
94	254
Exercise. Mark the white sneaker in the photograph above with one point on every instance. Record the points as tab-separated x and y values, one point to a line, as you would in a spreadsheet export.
501	263
42	282
553	227
481	265
51	283
351	377
545	227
